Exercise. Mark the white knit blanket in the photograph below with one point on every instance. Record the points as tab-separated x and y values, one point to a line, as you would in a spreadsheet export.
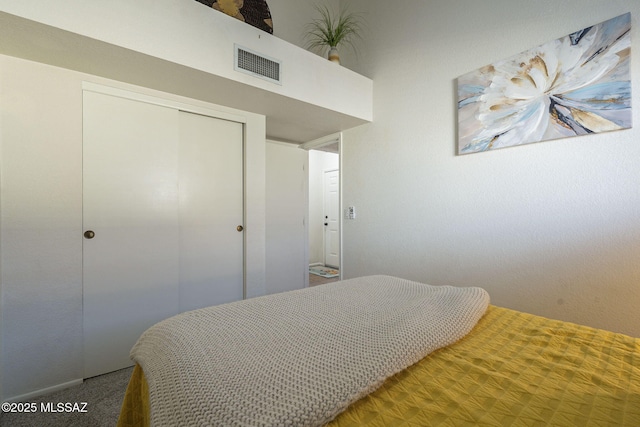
297	358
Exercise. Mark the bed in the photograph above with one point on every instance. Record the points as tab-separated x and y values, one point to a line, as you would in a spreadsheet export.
476	364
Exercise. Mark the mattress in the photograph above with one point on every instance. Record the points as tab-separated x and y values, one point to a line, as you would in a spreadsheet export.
514	368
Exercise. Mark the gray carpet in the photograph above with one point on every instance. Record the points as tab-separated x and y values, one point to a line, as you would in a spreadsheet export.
103	395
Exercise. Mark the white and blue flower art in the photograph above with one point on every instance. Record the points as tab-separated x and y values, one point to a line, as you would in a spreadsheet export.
575	85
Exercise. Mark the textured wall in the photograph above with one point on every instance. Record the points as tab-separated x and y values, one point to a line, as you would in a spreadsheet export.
550	228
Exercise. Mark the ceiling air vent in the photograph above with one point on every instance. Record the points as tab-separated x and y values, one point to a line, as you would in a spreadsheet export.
257	65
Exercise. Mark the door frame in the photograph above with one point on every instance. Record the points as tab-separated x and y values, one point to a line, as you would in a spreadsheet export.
335	138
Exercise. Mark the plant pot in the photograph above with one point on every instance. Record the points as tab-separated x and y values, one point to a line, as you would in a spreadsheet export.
334	56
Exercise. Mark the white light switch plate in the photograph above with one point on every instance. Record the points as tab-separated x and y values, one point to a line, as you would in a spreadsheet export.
350	213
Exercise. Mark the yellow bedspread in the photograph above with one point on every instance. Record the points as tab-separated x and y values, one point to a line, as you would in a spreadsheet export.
512	369
135	410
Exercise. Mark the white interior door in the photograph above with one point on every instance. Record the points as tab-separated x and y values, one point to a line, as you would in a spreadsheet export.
332	218
211	210
287	256
164	202
130	202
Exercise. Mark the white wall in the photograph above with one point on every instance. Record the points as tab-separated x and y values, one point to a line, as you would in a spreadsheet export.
550	228
41	222
291	18
41	227
319	162
286	217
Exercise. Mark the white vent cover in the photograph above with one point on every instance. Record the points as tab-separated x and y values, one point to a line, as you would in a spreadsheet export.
257	65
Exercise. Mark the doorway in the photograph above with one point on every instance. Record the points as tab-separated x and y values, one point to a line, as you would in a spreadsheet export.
325	236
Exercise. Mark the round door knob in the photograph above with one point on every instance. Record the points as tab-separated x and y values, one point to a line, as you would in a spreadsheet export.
89	234
239	228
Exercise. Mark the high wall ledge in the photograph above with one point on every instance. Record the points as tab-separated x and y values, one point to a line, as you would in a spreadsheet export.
186	48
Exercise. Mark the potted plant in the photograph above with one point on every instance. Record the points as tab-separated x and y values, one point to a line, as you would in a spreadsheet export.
332	31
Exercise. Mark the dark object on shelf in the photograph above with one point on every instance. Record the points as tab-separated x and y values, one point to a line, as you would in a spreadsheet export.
253	12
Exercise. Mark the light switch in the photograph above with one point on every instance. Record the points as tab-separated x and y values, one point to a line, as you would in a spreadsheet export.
350	213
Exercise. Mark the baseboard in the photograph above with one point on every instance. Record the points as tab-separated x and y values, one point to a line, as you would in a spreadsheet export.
315	264
26	397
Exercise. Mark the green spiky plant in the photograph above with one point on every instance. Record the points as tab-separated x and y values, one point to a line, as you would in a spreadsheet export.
332	31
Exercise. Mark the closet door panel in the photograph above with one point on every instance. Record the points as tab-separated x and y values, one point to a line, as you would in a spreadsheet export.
130	203
211	210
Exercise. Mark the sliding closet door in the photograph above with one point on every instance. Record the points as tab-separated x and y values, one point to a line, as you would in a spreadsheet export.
130	217
163	216
211	211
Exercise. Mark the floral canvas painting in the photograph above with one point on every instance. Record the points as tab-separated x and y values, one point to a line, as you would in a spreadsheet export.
575	85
